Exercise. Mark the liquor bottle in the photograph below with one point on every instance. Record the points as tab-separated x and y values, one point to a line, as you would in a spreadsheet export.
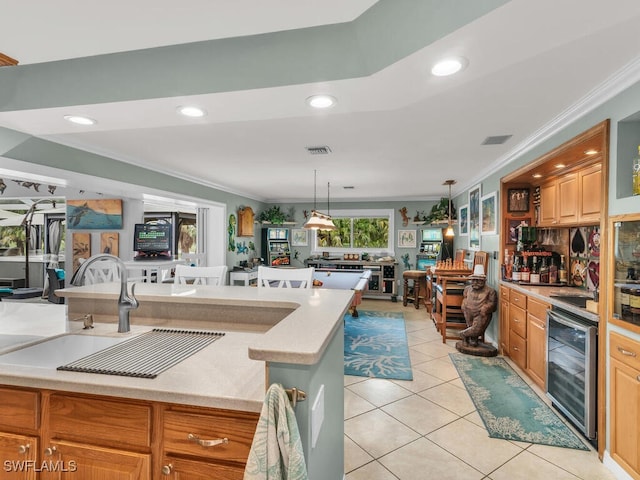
525	273
515	271
562	272
553	272
544	271
535	271
636	173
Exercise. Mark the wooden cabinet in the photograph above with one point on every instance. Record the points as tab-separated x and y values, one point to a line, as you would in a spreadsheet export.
518	328
568	199
96	437
245	222
590	192
572	199
18	452
523	332
537	341
504	320
625	402
548	204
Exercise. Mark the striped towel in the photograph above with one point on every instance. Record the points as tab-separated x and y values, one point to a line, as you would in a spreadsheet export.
276	452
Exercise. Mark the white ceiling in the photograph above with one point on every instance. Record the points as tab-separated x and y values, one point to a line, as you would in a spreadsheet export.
398	133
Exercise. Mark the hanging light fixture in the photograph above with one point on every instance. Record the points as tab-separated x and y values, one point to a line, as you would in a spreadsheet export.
449	231
318	220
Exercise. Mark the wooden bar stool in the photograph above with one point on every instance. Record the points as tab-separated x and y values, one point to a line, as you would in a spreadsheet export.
419	288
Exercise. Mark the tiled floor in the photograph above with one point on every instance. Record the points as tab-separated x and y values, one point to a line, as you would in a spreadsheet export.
428	428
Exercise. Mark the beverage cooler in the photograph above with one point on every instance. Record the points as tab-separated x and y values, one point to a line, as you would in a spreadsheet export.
276	249
434	246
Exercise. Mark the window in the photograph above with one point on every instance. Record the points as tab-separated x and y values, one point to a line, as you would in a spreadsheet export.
357	230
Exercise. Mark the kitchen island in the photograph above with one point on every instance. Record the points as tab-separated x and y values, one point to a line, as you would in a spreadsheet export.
292	337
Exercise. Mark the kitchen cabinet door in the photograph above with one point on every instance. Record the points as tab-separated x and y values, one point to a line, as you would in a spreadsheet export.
590	191
568	199
182	469
537	350
625	416
18	453
548	204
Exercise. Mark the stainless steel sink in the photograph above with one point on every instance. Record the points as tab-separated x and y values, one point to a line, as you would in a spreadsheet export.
575	300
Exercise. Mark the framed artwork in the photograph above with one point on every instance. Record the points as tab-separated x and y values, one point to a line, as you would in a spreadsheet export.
488	213
463	220
512	224
474	218
109	243
94	214
518	200
406	239
299	237
81	248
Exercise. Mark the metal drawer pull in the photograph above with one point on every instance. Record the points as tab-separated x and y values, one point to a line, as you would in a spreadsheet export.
24	448
626	352
206	443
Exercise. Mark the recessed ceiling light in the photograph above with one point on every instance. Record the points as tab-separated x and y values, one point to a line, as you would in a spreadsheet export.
448	66
190	111
537	175
321	101
560	165
80	120
591	151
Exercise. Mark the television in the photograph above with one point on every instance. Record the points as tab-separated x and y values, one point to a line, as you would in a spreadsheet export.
432	234
152	240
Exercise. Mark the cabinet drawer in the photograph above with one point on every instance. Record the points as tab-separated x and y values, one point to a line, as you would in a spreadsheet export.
518	320
504	292
100	422
195	470
625	350
518	349
20	408
519	299
538	309
182	430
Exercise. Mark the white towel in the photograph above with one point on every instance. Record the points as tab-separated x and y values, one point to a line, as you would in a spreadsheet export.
276	452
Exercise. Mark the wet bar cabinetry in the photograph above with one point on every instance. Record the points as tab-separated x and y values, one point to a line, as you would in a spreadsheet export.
523	332
571	199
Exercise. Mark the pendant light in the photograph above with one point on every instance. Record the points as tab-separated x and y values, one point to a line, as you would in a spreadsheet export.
449	231
318	220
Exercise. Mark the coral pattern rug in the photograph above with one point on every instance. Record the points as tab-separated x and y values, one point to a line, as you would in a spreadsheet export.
375	345
509	408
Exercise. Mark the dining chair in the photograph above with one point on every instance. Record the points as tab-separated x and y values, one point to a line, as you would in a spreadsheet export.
185	274
102	272
269	277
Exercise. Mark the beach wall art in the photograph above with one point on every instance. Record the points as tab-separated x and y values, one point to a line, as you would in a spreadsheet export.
99	214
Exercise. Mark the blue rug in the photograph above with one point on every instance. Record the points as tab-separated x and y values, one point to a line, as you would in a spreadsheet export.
509	408
375	345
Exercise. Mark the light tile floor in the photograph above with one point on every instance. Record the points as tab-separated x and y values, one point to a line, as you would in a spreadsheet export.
428	428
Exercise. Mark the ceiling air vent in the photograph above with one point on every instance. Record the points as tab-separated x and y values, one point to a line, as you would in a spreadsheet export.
321	150
496	140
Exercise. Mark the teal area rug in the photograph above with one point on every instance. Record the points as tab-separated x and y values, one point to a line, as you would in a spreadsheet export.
509	408
375	345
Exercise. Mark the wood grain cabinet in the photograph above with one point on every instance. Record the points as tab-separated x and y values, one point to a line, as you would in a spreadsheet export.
537	341
624	367
95	437
204	444
518	328
572	199
245	222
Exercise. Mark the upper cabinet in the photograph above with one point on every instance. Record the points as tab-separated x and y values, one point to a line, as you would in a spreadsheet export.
572	199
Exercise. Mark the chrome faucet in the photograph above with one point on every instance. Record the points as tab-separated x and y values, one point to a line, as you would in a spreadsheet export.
126	302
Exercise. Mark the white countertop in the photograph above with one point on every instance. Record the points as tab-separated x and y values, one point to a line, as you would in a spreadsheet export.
230	373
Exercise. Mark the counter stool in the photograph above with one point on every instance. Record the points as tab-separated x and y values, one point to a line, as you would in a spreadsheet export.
419	288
